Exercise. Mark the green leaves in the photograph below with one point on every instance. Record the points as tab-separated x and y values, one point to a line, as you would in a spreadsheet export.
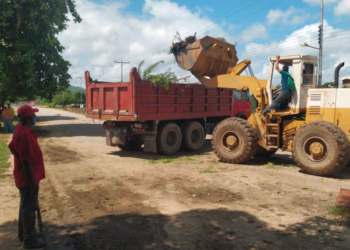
31	63
160	80
150	69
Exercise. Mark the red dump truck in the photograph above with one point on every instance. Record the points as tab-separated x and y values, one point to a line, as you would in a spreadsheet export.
139	113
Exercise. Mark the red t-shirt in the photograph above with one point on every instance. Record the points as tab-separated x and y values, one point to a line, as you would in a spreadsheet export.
24	146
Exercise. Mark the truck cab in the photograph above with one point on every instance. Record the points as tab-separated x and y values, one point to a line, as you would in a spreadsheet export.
241	104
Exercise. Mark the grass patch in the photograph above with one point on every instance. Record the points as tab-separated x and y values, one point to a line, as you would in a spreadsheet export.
339	211
206	171
288	165
270	166
181	159
162	160
4	155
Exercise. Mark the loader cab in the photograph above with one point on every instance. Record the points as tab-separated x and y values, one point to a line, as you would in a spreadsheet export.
303	70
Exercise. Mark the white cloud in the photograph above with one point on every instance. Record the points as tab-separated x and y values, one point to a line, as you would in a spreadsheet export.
317	2
292	16
109	33
336	50
343	8
255	31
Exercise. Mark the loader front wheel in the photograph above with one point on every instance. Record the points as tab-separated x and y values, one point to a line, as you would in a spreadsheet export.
234	140
321	148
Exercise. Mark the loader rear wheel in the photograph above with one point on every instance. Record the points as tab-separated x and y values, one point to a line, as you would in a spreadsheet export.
234	140
169	139
193	136
132	143
262	152
321	148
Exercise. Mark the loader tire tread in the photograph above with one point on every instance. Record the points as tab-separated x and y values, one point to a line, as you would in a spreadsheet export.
334	136
249	140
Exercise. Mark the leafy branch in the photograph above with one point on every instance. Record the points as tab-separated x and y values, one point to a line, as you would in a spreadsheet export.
160	80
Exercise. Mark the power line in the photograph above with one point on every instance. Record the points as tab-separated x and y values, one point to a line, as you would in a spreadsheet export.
121	66
284	43
211	23
288	49
145	53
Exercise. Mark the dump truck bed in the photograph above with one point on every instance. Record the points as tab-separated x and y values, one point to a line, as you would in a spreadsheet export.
139	100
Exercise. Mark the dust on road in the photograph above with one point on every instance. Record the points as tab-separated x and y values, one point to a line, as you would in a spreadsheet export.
98	197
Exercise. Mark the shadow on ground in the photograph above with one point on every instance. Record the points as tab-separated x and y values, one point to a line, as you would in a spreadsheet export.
140	154
196	229
70	130
54	118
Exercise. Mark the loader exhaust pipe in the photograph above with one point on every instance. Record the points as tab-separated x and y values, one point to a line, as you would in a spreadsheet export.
336	74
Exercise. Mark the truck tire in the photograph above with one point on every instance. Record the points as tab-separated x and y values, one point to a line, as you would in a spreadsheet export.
262	152
234	140
169	139
193	136
321	148
132	143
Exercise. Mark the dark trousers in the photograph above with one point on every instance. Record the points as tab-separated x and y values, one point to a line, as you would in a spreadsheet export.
276	103
26	218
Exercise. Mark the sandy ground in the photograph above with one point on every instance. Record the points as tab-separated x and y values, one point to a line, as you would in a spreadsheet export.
98	197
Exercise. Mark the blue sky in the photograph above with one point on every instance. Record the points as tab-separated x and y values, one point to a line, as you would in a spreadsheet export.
135	30
243	13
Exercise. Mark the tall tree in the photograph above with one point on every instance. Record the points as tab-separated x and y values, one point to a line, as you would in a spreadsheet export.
31	63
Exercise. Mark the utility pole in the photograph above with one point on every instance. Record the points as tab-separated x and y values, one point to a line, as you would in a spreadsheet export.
320	42
121	65
81	86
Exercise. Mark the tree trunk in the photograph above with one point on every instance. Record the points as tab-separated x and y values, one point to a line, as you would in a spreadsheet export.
0	97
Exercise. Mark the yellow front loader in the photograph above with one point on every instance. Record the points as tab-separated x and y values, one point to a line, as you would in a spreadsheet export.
314	124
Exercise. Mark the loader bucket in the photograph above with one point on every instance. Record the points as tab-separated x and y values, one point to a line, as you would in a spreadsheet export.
207	57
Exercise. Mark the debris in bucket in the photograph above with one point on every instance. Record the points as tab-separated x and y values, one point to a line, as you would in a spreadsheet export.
180	44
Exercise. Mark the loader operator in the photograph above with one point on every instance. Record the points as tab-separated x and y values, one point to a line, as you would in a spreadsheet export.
283	92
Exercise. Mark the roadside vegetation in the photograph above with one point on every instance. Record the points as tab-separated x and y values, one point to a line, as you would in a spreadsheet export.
340	212
68	100
4	155
36	67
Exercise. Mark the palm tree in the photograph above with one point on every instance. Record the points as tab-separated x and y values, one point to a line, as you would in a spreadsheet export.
160	80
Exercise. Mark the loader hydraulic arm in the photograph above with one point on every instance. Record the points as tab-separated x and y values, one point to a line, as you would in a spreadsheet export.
233	80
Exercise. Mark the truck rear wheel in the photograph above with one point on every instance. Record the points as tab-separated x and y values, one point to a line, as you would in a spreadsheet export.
193	136
132	143
234	140
169	139
262	152
321	148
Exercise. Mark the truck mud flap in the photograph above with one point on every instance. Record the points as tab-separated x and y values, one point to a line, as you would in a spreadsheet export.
116	136
150	143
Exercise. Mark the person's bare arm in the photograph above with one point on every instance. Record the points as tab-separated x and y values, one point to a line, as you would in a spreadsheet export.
28	171
277	66
277	90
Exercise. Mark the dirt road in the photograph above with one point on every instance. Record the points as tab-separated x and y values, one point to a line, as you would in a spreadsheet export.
98	197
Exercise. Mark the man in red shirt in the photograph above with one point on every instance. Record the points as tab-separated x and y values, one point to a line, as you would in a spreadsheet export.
29	171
